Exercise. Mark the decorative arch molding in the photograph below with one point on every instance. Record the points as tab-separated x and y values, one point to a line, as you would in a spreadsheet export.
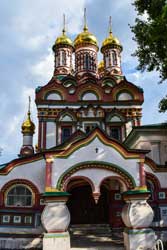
79	177
108	82
24	182
128	179
118	178
154	167
68	113
113	115
20	181
154	180
89	88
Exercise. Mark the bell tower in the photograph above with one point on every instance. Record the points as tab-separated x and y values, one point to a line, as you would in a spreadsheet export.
63	49
86	49
111	49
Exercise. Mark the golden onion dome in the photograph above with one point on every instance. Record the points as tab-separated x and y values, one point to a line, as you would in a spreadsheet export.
111	40
101	66
63	40
28	126
85	37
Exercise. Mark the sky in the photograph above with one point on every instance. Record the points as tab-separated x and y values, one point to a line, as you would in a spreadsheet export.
27	32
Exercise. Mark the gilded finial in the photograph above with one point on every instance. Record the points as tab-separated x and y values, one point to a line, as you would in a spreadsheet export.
29	106
85	21
110	25
28	126
64	24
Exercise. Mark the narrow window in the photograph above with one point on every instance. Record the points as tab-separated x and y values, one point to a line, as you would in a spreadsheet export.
66	132
115	132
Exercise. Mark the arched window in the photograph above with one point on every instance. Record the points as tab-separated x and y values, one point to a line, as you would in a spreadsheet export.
53	96
63	58
114	58
19	196
124	96
89	96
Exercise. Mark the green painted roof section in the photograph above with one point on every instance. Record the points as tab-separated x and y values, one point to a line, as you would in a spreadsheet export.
56	194
38	89
60	77
131	192
3	165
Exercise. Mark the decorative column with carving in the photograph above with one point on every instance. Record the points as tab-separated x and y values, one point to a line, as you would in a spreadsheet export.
137	216
55	217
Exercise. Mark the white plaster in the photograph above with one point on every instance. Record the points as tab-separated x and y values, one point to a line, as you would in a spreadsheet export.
88	153
128	127
55	217
59	241
34	172
139	240
162	176
50	134
27	140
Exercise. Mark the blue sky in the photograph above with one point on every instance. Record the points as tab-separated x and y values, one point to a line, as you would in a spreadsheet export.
28	30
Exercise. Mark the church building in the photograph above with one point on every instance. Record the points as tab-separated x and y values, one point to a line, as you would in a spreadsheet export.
92	149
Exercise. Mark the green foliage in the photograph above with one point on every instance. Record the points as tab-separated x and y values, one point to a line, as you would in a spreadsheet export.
151	35
163	104
150	32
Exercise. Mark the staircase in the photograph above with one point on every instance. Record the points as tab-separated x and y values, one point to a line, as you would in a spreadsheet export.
95	237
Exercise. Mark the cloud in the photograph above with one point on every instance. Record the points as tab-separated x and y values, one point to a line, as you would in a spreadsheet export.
43	69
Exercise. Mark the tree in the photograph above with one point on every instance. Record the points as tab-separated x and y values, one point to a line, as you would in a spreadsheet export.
150	32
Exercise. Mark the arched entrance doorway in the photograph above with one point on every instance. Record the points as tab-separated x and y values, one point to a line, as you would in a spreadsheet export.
107	210
82	206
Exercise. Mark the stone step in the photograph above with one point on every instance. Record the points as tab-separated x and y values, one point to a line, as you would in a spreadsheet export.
95	237
90	229
99	248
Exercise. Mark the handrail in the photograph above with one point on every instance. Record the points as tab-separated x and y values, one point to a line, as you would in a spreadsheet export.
158	245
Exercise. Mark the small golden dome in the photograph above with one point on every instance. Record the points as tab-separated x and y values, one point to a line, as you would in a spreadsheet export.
111	40
101	66
28	126
85	37
63	40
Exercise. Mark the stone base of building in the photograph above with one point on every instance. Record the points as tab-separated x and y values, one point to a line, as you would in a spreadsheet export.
139	239
20	243
56	241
